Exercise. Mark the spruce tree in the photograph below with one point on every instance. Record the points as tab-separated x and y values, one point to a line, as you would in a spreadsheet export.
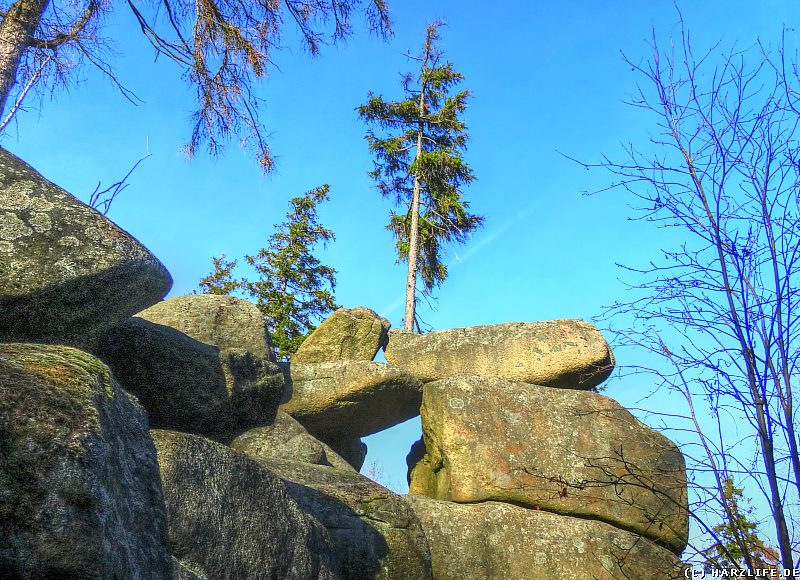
294	288
737	537
220	280
418	145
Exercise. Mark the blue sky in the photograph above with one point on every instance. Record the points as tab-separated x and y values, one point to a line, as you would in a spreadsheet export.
546	77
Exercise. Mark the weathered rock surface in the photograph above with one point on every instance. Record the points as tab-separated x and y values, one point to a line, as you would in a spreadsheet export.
287	439
352	449
375	533
226	322
80	495
67	274
187	385
570	354
563	451
355	334
347	400
184	571
234	519
496	541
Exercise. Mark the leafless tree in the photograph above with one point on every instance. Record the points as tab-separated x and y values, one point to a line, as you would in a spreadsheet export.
715	319
221	46
101	199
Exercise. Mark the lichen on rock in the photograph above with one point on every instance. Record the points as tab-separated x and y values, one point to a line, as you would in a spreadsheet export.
67	273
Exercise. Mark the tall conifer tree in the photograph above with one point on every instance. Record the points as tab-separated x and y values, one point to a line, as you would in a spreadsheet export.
294	288
418	149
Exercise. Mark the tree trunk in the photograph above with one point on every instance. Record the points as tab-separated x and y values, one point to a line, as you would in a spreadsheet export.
413	234
16	33
761	409
791	435
413	248
778	516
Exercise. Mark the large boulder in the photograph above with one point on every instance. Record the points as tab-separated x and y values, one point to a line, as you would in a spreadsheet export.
226	322
287	439
355	334
496	541
191	386
565	451
234	519
570	354
351	399
80	495
376	535
67	273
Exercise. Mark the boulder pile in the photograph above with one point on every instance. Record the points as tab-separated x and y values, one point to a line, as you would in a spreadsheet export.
146	438
519	456
338	393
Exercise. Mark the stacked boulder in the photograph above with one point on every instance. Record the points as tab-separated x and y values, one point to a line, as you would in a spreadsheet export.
336	390
200	364
204	368
148	438
519	457
67	274
86	491
80	495
336	394
203	365
89	354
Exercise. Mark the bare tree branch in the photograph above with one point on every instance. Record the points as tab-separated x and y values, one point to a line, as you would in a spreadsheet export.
716	318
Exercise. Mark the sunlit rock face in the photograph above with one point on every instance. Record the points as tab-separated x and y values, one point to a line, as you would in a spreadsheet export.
569	354
350	398
347	334
67	274
563	451
497	541
223	321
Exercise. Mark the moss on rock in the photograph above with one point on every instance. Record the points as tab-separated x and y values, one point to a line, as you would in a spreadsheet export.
80	495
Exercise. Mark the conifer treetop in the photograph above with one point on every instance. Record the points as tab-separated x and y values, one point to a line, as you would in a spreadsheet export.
418	145
294	290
